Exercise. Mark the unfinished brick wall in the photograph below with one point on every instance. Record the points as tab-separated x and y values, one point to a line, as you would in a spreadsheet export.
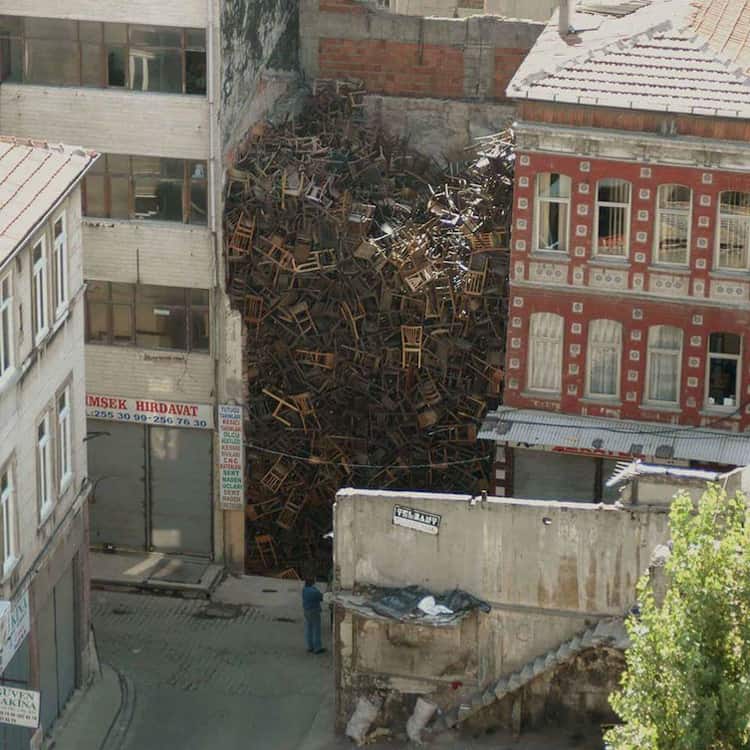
411	56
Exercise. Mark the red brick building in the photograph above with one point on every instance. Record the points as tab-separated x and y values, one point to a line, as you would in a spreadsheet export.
629	305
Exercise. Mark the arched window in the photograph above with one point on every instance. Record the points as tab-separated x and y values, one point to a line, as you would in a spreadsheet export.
612	235
664	364
734	230
672	236
605	346
545	352
552	207
723	381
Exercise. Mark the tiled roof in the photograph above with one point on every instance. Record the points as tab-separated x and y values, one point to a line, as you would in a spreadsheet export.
34	176
666	56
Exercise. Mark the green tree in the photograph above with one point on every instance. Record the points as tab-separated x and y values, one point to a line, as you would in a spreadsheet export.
687	681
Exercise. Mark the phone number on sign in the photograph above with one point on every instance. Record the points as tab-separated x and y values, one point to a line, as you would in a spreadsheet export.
125	416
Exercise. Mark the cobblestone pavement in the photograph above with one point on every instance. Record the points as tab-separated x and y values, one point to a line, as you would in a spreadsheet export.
210	675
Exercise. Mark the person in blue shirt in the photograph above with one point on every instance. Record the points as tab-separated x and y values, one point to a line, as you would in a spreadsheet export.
311	599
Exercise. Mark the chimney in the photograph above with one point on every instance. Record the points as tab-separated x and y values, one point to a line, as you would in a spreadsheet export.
563	18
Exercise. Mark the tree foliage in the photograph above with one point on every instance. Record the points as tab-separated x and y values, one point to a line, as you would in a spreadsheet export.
687	681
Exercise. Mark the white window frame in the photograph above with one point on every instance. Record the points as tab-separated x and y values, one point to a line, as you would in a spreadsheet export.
539	201
602	252
8	511
39	291
659	350
592	347
6	326
737	358
64	447
558	341
60	258
743	219
45	480
672	212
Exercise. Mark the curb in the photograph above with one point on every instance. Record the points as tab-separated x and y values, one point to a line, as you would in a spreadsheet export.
118	729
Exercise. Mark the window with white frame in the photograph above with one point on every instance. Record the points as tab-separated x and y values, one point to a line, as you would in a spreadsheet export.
734	230
545	352
672	236
604	351
8	513
664	364
552	207
612	236
39	289
44	477
60	258
64	457
6	325
722	387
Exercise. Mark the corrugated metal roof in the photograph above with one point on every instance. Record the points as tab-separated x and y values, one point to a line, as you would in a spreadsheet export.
619	437
33	177
667	56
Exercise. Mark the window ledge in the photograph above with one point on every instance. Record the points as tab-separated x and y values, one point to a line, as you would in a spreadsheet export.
670	408
9	567
598	260
98	221
65	484
46	514
9	379
541	395
61	316
603	401
666	268
727	273
728	412
561	256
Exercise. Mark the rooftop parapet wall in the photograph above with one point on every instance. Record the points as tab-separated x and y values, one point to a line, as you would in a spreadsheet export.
400	55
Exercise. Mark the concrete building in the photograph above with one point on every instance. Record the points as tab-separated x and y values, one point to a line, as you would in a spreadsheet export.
559	578
630	261
161	90
44	486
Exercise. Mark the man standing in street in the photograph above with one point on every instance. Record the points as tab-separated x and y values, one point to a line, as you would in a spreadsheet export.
311	599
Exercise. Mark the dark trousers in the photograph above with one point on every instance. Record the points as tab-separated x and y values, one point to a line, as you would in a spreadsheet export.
312	629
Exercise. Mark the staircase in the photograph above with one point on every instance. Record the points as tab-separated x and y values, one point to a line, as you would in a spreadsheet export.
610	632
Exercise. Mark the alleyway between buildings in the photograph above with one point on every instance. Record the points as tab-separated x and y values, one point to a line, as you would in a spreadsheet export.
222	674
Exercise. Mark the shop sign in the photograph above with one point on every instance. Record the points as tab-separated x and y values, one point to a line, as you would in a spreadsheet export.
150	411
19	625
419	520
231	464
19	707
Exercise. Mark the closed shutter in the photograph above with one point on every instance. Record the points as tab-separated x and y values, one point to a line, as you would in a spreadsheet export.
180	490
65	636
116	460
16	675
543	475
45	631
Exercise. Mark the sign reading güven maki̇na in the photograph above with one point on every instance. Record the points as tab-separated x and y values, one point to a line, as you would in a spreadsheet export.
150	411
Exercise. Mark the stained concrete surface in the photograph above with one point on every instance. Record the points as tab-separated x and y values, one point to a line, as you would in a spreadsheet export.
225	674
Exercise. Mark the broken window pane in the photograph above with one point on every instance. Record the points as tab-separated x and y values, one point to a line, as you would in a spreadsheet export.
116	66
160	315
195	72
198	203
156	70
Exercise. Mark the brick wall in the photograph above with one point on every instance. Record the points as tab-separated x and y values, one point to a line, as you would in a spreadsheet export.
400	55
635	291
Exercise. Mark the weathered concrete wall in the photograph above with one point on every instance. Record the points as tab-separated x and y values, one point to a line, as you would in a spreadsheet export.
550	570
259	41
399	55
536	10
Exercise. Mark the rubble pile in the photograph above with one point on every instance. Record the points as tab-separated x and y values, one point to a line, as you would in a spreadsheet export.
373	289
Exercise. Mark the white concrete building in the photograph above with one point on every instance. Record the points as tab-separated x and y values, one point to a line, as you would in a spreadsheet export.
136	82
43	472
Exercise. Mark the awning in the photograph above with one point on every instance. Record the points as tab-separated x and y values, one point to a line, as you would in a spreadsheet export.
620	438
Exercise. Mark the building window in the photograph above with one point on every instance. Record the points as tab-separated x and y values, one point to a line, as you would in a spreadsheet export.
146	188
57	52
734	230
6	325
60	257
664	364
672	239
65	461
724	351
152	317
8	511
39	290
605	345
552	211
545	352
44	480
612	235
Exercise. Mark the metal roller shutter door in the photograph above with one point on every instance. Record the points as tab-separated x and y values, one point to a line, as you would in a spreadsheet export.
180	490
542	475
16	675
65	636
45	630
117	469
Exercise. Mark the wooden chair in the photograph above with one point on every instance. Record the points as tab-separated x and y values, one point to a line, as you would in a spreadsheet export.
241	241
274	478
267	550
411	344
